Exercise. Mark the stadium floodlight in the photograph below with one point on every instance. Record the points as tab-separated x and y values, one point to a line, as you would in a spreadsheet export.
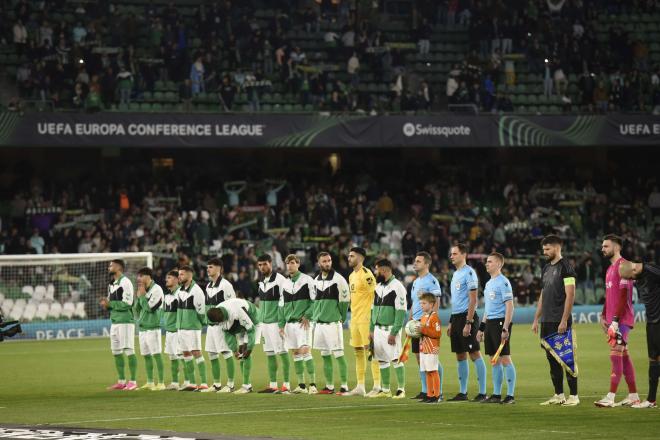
61	291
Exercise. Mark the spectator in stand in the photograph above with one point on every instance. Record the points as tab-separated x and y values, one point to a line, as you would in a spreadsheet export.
125	85
197	76
424	37
20	37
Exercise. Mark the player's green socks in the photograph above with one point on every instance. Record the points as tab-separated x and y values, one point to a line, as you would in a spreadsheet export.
159	367
246	366
299	366
286	367
385	378
328	372
343	370
231	370
311	369
189	370
400	371
201	366
132	366
149	365
119	365
175	370
272	370
215	370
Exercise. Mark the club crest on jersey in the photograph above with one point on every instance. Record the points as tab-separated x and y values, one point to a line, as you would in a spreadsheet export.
370	280
458	285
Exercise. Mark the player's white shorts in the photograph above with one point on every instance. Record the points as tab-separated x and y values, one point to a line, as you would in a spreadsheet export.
383	351
295	336
328	336
172	343
428	362
122	337
273	341
215	340
190	340
150	342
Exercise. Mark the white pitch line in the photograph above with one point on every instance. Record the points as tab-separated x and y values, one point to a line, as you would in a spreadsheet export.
231	413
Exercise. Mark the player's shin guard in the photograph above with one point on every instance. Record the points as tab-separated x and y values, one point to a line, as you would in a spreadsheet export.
132	366
629	373
299	366
360	365
616	359
384	369
498	372
510	374
400	371
119	365
481	374
463	373
311	369
174	366
246	366
159	367
201	367
149	365
286	368
272	369
375	372
654	375
328	372
215	368
343	369
231	370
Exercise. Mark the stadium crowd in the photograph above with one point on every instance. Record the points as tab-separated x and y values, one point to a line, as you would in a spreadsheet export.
108	55
280	217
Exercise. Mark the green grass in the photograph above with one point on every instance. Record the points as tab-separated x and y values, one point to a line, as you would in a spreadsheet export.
62	383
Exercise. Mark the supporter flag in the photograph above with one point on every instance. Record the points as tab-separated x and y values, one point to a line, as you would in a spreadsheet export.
403	357
563	347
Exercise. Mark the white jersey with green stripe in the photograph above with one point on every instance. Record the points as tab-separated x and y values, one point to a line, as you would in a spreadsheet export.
120	298
191	311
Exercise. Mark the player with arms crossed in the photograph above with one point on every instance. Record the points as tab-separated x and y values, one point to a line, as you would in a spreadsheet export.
191	317
149	309
331	299
297	329
122	328
387	318
170	306
496	327
617	320
647	278
218	290
553	310
238	320
363	286
425	282
271	308
464	324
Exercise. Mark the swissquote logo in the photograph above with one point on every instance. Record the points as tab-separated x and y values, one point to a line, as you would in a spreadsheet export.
410	129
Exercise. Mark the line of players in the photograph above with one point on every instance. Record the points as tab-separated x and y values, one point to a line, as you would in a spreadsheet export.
298	313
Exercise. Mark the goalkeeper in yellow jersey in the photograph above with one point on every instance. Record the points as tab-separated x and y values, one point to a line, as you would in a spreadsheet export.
363	287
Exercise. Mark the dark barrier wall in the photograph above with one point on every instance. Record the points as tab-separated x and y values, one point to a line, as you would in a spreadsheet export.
242	130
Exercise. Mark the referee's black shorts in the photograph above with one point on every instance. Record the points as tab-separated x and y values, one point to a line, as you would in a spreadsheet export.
460	343
493	337
415	345
653	339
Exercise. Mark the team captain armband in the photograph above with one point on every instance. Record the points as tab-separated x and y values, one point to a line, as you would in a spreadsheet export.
569	281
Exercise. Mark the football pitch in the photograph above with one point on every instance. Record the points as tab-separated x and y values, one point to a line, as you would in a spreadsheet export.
62	384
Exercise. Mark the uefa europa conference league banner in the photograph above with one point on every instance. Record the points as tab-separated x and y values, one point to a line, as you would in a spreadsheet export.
270	130
101	327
